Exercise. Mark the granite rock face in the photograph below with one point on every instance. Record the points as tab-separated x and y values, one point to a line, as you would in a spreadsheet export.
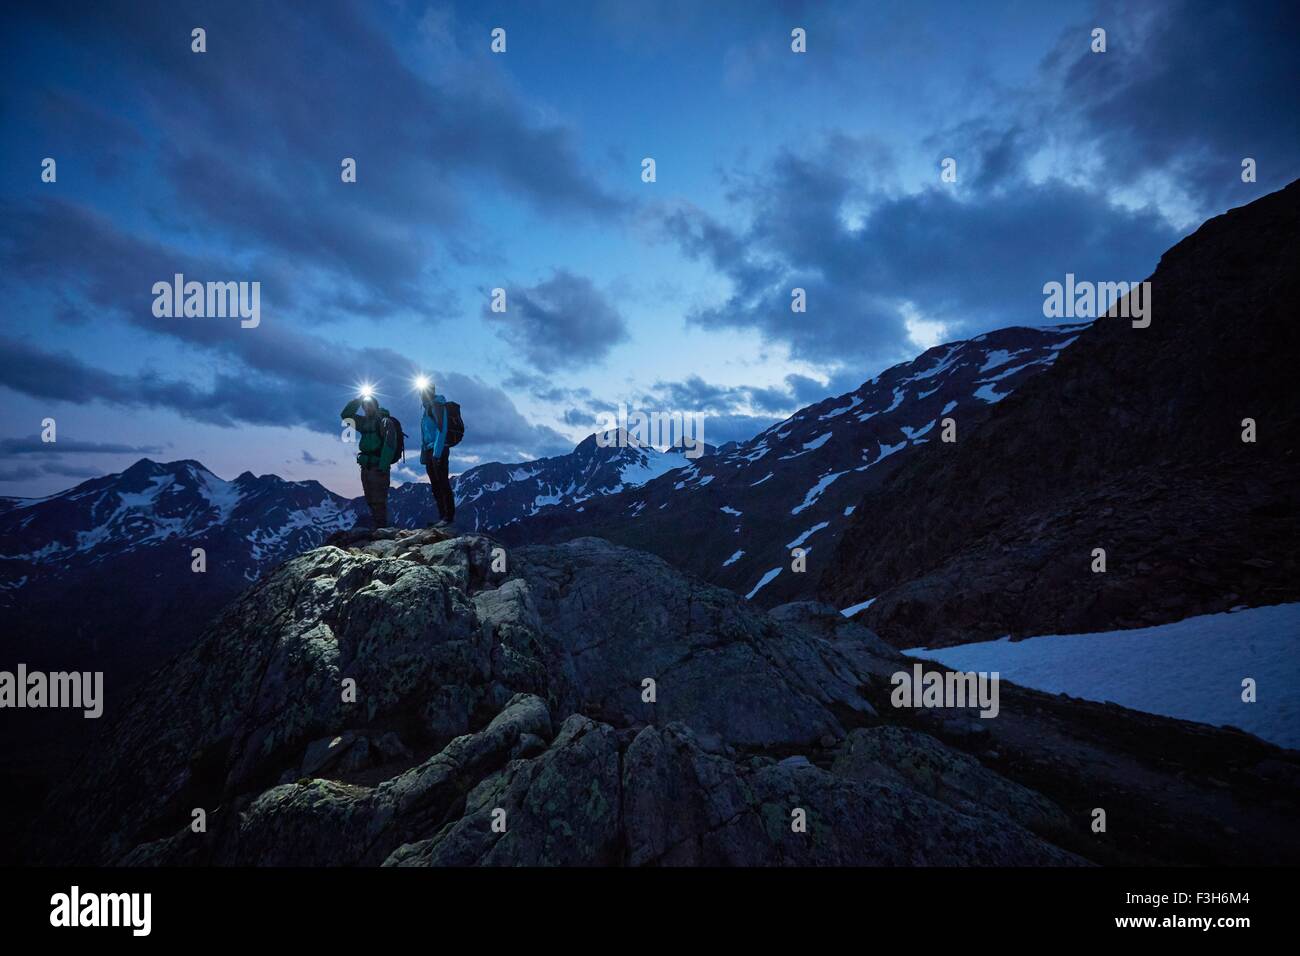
400	700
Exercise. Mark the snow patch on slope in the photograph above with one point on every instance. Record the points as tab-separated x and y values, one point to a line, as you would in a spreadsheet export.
988	393
850	611
1191	669
763	581
816	490
806	535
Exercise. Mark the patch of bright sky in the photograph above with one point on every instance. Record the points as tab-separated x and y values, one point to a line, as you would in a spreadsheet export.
923	333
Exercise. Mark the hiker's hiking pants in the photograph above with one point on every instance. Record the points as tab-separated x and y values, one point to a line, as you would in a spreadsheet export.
440	482
374	484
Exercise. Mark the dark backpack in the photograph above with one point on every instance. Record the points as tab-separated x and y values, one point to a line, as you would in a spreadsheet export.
391	430
455	424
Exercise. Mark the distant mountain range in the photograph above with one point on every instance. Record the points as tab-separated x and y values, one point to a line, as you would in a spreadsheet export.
245	525
492	495
113	557
253	523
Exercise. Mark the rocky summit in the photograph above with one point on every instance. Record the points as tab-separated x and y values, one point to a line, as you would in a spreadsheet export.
417	699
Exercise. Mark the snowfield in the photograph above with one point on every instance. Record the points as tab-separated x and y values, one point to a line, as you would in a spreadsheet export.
1191	669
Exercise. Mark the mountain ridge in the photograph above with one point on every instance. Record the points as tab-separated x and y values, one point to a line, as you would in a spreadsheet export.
735	517
1133	443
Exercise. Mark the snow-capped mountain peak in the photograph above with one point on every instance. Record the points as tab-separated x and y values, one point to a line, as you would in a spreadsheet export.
174	503
494	495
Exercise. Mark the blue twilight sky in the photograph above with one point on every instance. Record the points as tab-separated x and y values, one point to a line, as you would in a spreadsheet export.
522	170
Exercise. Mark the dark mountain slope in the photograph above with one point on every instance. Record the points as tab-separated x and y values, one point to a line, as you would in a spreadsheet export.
1131	442
733	518
102	577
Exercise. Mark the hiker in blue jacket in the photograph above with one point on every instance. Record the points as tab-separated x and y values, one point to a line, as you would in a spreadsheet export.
435	451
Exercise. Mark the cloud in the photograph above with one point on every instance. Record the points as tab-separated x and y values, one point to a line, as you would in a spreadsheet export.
309	459
493	426
47	458
249	137
737	413
695	394
720	429
408	472
543	388
32	445
1095	165
27	472
1186	90
75	120
56	243
283	376
564	322
21	473
583	418
71	471
311	397
967	262
62	244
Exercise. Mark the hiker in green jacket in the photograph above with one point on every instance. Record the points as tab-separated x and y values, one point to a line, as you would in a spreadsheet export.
377	451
